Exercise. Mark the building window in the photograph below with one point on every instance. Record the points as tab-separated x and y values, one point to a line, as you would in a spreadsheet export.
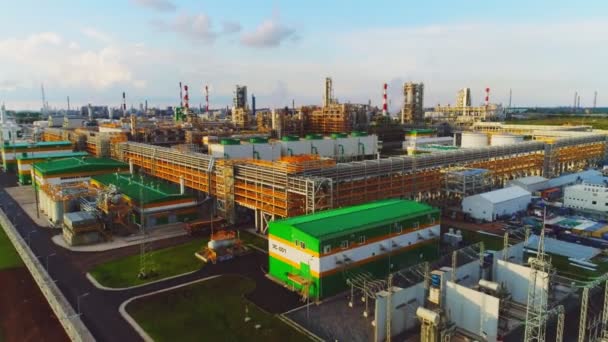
362	239
326	249
344	244
593	202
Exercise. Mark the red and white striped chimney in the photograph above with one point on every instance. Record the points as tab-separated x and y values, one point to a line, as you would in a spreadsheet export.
487	96
206	98
186	98
384	105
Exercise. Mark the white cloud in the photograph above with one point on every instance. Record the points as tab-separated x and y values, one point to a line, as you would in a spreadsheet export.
96	35
8	85
193	26
231	27
159	5
269	33
544	63
64	64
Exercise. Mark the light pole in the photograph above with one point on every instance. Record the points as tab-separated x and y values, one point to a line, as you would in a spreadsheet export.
78	301
47	262
29	239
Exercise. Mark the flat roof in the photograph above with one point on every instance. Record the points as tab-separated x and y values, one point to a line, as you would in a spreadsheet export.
568	249
23	144
134	187
530	180
505	194
343	220
573	178
29	156
80	164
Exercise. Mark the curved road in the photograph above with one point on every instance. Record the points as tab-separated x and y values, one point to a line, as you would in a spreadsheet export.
100	308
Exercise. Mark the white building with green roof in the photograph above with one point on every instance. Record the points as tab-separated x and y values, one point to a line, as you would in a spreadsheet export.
314	253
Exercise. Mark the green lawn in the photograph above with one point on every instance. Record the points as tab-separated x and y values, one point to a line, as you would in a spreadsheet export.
253	239
167	262
595	122
490	242
213	310
562	264
8	255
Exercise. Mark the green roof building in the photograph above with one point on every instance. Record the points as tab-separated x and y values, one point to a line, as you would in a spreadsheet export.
162	202
315	253
26	160
10	151
75	169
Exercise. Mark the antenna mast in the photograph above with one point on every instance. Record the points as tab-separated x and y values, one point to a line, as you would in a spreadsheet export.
536	311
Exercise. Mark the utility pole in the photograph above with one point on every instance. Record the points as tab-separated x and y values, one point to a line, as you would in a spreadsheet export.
44	104
454	265
594	100
505	248
536	310
389	308
145	269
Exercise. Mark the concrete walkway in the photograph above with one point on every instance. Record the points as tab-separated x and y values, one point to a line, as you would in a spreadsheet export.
165	232
25	197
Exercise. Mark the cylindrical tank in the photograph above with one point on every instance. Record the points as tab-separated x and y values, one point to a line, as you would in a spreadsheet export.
490	285
473	140
428	315
506	139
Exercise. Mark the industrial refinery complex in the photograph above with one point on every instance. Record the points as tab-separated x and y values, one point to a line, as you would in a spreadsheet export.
440	223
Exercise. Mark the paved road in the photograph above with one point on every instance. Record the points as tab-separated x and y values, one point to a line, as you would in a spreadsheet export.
100	308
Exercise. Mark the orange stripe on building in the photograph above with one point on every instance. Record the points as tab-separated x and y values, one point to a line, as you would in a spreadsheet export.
337	249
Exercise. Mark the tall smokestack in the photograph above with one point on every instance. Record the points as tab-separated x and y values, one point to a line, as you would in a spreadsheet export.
575	98
253	104
181	97
186	98
487	96
594	99
90	112
206	98
68	104
384	104
578	102
124	104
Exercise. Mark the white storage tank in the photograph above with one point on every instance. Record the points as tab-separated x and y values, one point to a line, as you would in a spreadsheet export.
473	140
231	149
506	139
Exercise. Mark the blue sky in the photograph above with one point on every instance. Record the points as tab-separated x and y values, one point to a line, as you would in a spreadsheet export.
94	50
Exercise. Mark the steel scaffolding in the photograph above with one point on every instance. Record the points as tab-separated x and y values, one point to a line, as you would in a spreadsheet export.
306	184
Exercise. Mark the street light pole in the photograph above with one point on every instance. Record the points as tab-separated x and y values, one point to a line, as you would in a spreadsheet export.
29	240
78	301
47	262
